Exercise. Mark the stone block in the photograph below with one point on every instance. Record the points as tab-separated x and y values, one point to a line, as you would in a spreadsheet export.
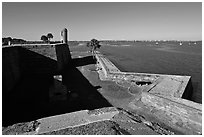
178	116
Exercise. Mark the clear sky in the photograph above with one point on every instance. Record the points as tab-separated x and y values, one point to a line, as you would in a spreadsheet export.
103	21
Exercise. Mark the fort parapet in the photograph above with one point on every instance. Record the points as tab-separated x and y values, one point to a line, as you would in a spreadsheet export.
31	73
165	96
20	60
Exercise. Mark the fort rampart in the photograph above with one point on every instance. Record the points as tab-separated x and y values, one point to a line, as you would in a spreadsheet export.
166	99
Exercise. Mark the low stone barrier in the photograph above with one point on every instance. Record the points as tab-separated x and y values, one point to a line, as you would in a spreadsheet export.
185	118
164	96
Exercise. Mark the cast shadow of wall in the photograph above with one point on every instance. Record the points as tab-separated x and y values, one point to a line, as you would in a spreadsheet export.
192	93
197	93
29	99
83	61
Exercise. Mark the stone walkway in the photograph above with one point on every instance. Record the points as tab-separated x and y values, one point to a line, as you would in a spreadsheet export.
160	94
142	104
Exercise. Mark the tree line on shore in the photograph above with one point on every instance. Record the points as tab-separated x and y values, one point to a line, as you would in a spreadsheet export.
5	41
9	40
47	38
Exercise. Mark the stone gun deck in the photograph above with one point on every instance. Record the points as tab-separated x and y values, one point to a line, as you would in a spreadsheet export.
140	103
162	95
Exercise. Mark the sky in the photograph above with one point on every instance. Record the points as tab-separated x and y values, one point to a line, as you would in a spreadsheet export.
103	21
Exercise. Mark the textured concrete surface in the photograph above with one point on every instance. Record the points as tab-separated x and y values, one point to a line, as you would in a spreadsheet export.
104	121
71	120
161	96
142	104
175	115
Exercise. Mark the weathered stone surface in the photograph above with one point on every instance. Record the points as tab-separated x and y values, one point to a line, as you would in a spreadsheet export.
170	87
167	106
74	119
162	97
176	115
97	128
21	128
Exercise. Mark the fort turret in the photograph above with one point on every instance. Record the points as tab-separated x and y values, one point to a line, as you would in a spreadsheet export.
64	35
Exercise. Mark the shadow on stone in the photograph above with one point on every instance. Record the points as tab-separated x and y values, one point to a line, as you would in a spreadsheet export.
83	61
29	99
188	91
197	94
84	91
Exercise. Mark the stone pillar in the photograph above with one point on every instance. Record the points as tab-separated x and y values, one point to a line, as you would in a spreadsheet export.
64	35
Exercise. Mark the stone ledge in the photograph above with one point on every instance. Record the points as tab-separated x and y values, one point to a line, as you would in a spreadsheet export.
174	114
163	96
73	119
169	86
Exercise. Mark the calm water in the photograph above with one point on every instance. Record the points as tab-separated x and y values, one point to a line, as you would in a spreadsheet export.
165	58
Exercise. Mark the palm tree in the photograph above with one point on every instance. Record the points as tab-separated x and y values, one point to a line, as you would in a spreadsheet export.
94	44
49	36
44	38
